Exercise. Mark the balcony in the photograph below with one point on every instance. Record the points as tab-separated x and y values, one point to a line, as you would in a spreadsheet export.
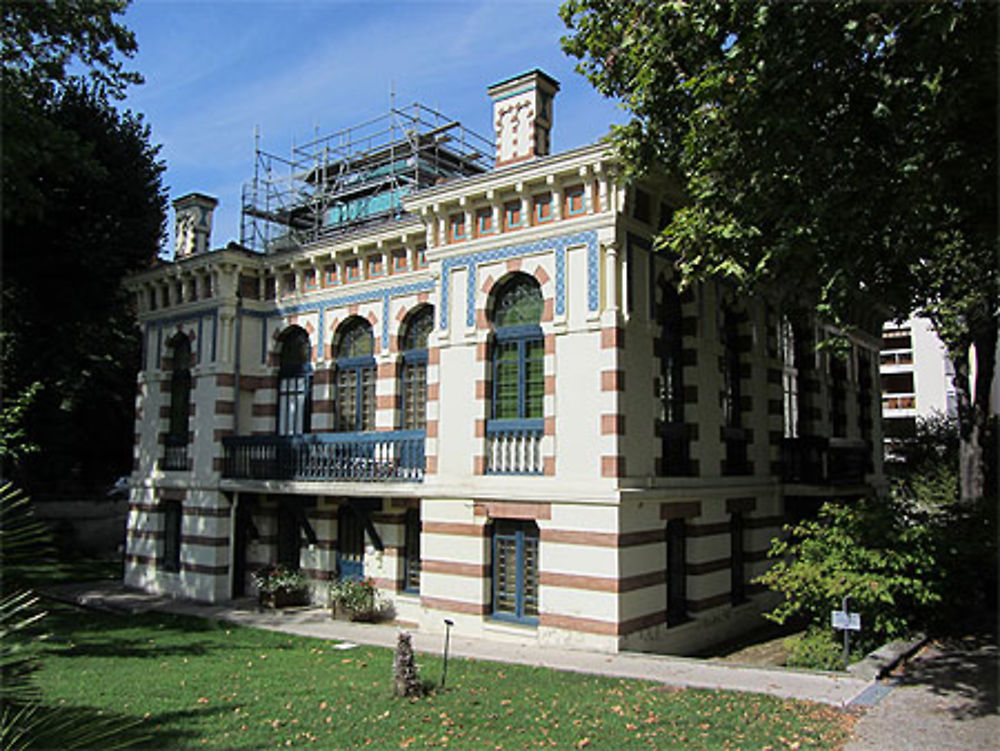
391	456
812	460
514	447
175	453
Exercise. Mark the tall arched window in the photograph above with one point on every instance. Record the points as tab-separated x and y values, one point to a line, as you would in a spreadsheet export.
294	382
517	358
518	351
414	371
180	409
355	362
672	429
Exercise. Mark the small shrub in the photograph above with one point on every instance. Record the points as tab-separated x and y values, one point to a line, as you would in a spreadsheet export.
816	649
358	597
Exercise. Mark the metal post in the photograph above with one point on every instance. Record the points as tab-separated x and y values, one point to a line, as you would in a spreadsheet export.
447	639
847	635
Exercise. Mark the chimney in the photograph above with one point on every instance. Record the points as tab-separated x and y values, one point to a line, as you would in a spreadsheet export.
192	224
522	116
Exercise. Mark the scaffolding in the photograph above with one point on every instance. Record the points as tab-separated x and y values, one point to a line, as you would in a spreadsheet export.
354	178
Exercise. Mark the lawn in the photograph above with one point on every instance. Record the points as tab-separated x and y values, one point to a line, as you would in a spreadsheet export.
203	684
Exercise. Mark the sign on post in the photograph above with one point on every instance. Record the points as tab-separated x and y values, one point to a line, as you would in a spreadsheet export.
844	621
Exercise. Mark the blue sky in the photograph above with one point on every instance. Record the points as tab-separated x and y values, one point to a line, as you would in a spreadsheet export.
215	70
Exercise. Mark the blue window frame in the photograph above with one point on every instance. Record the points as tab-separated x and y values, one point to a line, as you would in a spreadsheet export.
515	426
518	356
414	369
515	571
355	382
294	382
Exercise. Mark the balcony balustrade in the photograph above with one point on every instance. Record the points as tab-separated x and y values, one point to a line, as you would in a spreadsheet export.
390	456
175	454
514	447
812	460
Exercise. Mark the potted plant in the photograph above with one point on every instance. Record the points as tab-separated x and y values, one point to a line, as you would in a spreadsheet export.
279	586
357	597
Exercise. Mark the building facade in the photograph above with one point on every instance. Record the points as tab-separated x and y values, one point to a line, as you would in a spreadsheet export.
481	387
916	377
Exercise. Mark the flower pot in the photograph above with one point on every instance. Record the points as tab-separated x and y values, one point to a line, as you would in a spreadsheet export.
283	598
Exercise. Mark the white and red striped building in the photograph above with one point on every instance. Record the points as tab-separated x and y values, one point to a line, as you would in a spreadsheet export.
495	402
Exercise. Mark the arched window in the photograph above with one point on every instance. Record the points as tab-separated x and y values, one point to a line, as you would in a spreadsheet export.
414	371
518	351
355	361
515	426
180	409
294	382
672	429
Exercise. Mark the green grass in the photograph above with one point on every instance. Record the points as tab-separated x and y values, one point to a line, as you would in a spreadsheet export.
206	684
40	574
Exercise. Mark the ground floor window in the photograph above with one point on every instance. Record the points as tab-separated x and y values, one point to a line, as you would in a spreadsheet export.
411	560
738	587
676	572
515	571
172	536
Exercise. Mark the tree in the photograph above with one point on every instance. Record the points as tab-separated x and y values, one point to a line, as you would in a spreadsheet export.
839	155
83	205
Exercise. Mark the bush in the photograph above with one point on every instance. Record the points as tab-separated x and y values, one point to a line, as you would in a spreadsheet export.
880	554
358	597
817	649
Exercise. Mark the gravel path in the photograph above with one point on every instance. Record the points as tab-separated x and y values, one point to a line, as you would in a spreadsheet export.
945	699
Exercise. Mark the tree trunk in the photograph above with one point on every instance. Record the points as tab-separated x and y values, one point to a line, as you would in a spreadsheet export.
974	413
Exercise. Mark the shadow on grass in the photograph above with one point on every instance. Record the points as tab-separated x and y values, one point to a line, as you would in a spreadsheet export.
64	727
73	632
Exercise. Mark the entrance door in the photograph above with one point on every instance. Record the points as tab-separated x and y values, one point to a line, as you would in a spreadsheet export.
350	544
243	522
289	536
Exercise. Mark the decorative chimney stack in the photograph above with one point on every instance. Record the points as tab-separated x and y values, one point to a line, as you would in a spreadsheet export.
522	116
192	224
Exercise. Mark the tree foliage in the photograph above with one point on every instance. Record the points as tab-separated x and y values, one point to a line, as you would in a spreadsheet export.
840	155
83	205
883	560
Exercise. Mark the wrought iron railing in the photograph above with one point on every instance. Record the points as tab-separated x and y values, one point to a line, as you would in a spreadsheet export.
848	463
514	447
389	456
175	454
817	461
